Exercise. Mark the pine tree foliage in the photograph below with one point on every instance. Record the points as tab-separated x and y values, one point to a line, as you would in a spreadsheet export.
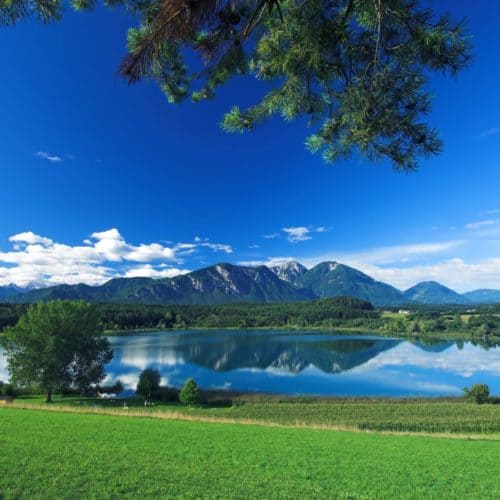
356	70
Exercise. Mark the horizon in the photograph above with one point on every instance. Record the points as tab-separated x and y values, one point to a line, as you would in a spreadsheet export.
106	180
270	266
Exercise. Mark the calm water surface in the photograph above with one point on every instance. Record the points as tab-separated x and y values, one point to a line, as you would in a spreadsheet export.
305	363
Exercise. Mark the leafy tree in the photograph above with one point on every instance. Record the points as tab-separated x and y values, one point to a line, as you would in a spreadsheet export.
149	382
484	330
190	394
356	70
478	393
457	322
57	345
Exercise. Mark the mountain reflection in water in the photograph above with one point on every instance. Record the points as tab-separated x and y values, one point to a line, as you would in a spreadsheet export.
306	363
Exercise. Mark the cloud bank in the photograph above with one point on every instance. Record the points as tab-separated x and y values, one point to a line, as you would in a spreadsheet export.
36	259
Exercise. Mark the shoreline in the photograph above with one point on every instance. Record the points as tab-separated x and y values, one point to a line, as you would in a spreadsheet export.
448	336
440	418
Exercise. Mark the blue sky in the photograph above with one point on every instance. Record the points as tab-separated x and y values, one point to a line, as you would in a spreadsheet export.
103	179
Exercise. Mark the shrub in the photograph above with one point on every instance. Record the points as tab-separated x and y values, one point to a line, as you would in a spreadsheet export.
190	393
116	388
478	393
9	390
166	394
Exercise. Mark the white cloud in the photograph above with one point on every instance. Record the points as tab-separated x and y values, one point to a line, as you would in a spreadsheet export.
218	247
295	234
49	157
455	273
269	262
482	223
149	271
386	255
30	238
298	233
106	254
271	236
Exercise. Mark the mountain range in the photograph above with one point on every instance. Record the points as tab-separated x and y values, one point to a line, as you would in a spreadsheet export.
227	283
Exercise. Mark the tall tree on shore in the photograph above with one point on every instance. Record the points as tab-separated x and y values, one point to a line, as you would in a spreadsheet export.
357	70
57	345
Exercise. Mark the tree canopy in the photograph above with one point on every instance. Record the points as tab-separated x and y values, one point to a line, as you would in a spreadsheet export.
57	345
356	71
189	394
149	382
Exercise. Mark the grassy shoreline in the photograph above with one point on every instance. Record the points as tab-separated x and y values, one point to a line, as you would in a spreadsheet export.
448	416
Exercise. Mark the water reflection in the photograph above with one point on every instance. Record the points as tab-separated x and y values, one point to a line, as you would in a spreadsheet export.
304	363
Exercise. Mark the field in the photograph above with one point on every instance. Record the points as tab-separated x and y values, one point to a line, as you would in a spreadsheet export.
451	415
52	454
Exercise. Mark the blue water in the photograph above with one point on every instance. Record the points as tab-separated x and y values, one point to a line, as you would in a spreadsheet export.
303	364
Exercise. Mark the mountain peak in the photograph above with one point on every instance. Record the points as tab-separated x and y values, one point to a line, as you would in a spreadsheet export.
430	283
330	279
289	270
433	292
287	281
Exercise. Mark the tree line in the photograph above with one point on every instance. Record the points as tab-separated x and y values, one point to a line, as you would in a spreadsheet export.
336	312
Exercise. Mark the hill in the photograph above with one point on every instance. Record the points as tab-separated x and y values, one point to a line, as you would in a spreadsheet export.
432	292
9	290
330	279
483	296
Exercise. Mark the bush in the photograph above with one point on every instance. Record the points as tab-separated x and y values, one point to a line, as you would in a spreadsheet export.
9	390
190	394
166	394
478	393
116	388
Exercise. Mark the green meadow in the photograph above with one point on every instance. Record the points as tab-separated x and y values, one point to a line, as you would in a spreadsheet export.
50	454
447	415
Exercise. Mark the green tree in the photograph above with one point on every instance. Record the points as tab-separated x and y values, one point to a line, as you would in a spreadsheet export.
57	345
190	394
149	382
356	70
457	322
484	330
478	393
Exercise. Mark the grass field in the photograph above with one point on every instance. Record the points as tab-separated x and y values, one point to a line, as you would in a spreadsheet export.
72	455
410	415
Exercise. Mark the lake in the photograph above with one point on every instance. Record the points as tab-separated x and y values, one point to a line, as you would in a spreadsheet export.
306	363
